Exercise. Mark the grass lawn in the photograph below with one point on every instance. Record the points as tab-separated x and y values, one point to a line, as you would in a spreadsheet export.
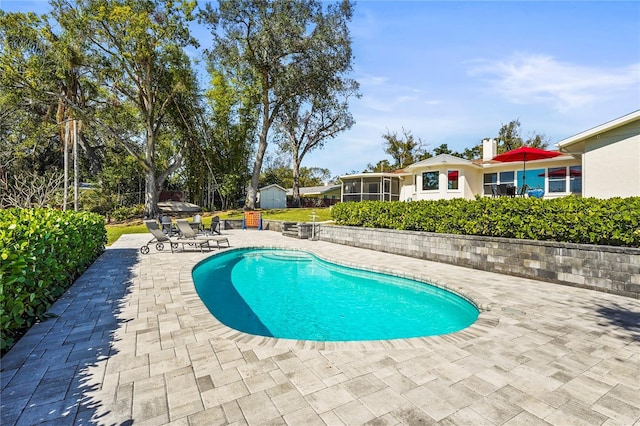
292	215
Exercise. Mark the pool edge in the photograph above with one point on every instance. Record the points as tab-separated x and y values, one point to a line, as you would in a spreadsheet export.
486	319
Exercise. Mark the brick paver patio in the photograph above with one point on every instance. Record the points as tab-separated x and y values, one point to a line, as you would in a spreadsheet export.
131	343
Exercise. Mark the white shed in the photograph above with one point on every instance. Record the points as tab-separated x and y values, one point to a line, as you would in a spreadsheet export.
273	197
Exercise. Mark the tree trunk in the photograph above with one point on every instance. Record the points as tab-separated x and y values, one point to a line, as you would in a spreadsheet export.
252	193
296	178
151	185
151	195
91	154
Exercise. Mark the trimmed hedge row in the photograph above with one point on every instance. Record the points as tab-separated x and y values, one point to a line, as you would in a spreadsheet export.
615	221
42	251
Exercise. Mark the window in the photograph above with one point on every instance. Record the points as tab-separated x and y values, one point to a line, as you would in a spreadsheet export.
395	186
507	177
452	179
489	179
352	186
430	181
557	179
575	180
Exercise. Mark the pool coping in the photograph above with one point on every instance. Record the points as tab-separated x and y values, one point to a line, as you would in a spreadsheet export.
207	321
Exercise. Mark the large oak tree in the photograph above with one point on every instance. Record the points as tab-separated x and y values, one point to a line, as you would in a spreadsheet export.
136	51
270	44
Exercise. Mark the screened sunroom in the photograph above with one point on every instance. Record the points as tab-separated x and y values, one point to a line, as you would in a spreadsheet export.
371	186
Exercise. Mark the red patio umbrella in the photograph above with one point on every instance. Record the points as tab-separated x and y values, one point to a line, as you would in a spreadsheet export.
524	154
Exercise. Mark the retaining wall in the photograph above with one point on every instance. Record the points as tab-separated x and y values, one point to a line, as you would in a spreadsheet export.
603	268
267	225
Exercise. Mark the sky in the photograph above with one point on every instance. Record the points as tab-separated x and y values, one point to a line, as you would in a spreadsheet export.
454	72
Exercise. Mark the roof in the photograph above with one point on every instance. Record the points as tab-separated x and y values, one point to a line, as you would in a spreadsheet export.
395	173
273	185
178	207
315	190
442	159
564	144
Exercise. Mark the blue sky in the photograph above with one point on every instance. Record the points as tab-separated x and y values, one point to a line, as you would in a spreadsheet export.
454	72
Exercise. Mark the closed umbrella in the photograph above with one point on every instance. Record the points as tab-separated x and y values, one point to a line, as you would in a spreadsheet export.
524	154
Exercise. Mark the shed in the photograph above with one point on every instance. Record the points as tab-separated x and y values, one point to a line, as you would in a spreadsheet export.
273	197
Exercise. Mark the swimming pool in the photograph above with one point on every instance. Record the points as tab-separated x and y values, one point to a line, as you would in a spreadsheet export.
295	295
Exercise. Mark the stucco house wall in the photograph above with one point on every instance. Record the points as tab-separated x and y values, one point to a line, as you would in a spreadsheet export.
464	190
613	162
610	156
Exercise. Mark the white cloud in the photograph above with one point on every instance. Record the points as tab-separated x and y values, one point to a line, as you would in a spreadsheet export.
371	80
541	79
397	100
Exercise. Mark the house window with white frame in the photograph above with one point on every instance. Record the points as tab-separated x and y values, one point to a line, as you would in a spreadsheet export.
575	179
490	180
557	179
453	177
430	181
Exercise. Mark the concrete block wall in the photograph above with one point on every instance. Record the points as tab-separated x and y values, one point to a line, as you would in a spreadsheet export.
267	225
603	268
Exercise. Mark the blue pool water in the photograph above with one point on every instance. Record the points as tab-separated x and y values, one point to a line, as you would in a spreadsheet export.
294	295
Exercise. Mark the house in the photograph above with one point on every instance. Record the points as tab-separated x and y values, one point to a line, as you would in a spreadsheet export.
446	176
326	195
272	197
610	157
602	162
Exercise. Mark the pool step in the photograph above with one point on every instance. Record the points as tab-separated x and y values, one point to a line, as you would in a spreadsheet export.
300	230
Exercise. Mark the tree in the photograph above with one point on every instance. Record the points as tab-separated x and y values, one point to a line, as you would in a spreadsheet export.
472	153
443	149
281	175
509	138
321	110
403	149
32	120
308	125
380	166
222	158
135	50
268	41
30	189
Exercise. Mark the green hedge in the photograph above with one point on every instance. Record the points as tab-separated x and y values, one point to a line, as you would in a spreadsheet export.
42	251
614	221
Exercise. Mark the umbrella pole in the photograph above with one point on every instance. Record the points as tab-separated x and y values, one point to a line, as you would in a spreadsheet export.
524	174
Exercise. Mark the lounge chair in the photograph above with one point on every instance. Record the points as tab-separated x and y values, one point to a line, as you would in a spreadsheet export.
167	226
159	237
215	226
187	234
196	224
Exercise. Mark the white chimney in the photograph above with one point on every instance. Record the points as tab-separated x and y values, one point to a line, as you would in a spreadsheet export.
489	149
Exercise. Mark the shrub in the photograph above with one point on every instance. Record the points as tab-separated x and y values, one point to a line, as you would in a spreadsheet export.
42	251
123	213
615	221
